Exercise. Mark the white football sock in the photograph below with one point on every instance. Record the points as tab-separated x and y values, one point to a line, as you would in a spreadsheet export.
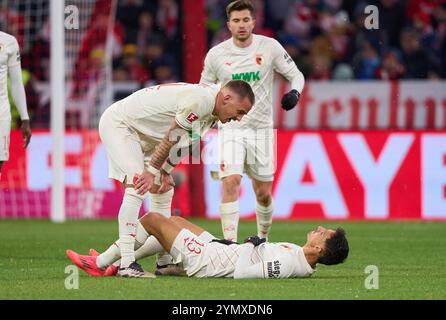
264	217
128	219
144	245
113	253
161	203
229	214
149	248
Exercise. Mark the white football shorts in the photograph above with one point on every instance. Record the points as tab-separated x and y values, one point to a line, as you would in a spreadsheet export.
202	258
247	150
128	153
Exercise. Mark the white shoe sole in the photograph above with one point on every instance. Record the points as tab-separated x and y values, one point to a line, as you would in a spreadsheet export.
136	275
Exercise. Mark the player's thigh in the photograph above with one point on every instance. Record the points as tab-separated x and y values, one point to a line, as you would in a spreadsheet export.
260	156
124	151
232	152
162	228
5	130
183	223
148	147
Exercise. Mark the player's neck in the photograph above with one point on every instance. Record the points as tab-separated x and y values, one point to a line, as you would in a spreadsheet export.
243	44
310	256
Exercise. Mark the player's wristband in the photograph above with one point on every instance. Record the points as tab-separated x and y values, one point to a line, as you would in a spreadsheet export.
156	173
167	167
153	170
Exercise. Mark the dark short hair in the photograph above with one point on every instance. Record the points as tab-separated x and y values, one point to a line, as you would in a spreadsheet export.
336	248
242	88
239	5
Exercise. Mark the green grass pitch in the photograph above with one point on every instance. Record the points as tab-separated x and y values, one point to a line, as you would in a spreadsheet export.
410	257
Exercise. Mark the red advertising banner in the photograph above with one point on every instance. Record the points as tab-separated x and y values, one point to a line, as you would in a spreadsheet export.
25	185
351	175
367	105
319	175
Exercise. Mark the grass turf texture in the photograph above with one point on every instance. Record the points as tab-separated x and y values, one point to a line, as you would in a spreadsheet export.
410	256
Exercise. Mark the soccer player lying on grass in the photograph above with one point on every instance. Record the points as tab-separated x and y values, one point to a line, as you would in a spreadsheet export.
202	255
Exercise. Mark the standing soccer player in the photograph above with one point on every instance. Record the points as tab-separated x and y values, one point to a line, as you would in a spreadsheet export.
10	66
247	146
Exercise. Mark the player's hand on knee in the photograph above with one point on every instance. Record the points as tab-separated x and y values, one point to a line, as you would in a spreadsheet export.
145	182
167	183
255	240
290	99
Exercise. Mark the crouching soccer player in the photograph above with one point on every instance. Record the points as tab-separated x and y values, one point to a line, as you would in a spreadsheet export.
202	255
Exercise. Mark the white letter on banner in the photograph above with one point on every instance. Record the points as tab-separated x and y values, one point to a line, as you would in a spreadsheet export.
73	145
308	149
376	176
38	169
433	175
99	170
39	172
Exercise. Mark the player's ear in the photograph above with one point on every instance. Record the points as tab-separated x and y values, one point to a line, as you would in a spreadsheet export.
226	97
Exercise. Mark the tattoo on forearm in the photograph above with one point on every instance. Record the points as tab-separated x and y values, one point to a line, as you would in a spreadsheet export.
161	153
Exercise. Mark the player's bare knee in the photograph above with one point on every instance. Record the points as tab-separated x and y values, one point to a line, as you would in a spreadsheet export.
151	220
145	220
231	185
263	197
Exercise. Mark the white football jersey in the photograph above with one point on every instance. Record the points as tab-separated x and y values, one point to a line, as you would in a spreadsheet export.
274	260
150	111
254	64
221	259
9	57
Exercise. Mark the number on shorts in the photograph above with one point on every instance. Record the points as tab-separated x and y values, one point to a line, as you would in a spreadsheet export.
194	246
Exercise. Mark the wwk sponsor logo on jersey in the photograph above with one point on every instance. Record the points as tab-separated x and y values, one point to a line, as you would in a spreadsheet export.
247	76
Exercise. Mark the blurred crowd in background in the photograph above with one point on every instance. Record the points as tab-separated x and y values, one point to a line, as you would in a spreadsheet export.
326	38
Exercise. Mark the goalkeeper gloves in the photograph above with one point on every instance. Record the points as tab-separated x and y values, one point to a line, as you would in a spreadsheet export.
255	240
290	99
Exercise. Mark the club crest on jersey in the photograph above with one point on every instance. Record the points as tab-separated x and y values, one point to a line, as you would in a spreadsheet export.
191	117
259	59
1	47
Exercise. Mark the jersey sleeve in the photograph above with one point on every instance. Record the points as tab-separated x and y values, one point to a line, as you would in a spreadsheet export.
208	75
282	62
191	107
13	54
285	65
